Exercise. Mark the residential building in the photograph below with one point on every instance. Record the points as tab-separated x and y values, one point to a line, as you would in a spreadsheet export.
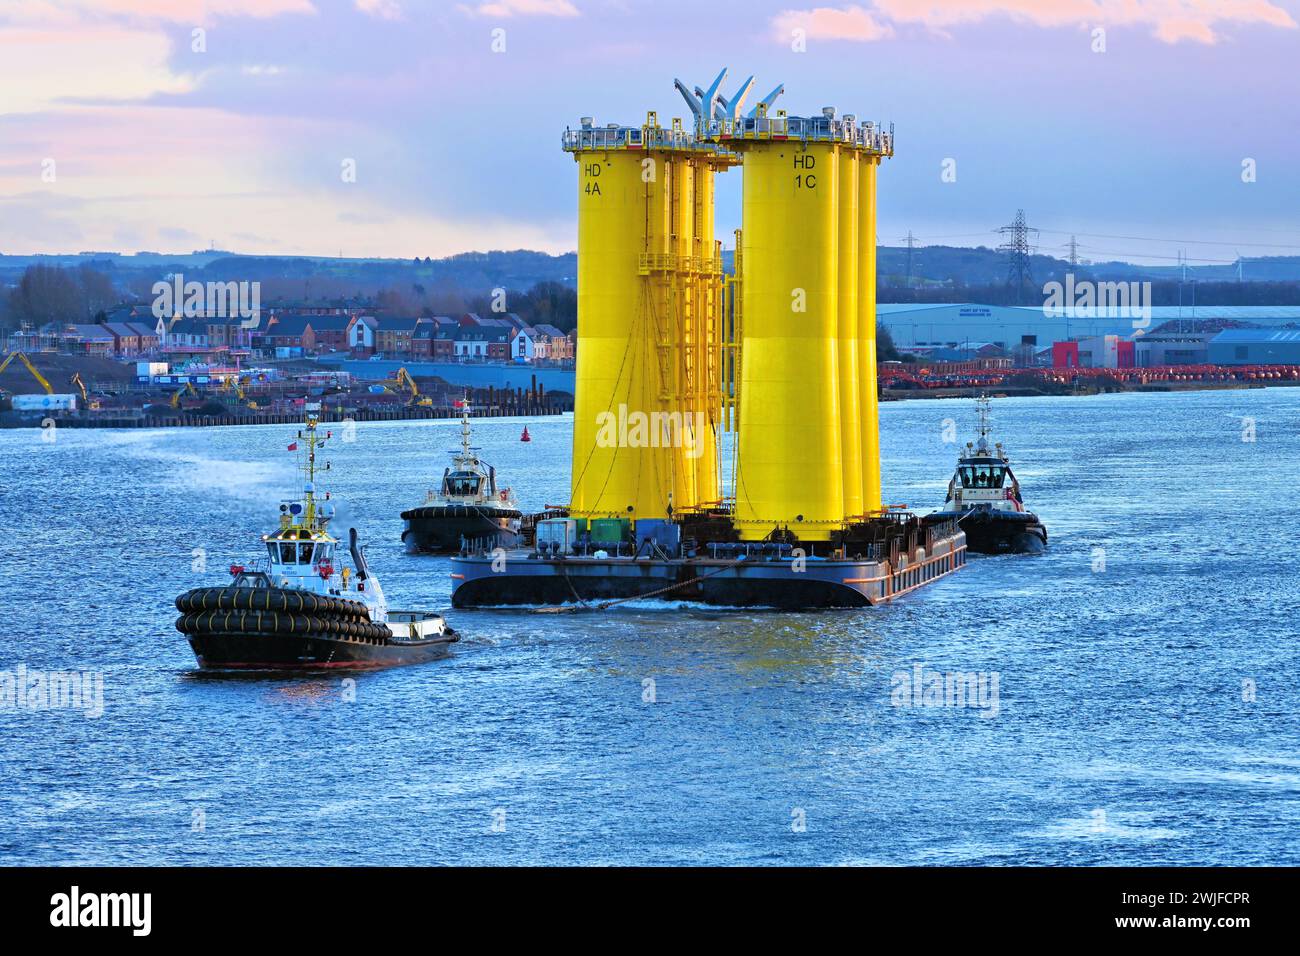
552	346
524	347
361	334
87	338
126	339
396	335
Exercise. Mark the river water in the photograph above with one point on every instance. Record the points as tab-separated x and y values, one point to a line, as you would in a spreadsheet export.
1144	710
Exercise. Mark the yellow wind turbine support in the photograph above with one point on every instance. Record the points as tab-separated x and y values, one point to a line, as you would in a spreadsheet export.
624	365
870	406
681	171
790	472
847	332
708	346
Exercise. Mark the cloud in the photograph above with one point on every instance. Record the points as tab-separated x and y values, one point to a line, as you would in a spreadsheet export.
152	11
384	9
1171	21
522	8
831	23
112	63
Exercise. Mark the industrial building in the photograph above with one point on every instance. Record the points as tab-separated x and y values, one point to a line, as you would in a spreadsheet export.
1255	347
954	324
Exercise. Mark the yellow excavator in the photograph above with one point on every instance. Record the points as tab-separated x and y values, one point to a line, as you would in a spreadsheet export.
187	387
49	390
235	384
403	380
86	401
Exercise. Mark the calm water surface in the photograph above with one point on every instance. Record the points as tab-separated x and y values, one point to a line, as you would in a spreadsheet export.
1121	734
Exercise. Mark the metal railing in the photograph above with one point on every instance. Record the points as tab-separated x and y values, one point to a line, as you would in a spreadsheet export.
649	263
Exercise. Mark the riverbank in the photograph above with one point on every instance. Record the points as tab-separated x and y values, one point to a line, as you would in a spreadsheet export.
338	415
1011	391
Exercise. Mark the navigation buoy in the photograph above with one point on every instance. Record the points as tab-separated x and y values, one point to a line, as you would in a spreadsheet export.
525	436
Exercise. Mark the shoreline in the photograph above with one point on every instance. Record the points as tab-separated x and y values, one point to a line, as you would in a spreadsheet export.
1012	391
12	420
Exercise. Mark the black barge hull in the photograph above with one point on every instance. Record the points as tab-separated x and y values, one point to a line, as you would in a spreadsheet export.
780	583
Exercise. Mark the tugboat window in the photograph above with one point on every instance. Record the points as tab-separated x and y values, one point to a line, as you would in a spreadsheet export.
462	483
982	476
304	553
287	553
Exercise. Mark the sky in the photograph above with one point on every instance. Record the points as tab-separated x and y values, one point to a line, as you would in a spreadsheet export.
1148	129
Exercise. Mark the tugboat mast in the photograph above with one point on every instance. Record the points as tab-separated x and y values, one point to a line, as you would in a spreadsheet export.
982	404
464	429
309	467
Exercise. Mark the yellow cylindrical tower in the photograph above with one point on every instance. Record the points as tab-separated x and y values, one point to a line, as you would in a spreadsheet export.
708	276
870	408
851	425
624	358
681	167
789	470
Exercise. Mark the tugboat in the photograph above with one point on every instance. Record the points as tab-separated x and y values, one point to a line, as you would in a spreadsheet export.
467	507
984	496
303	607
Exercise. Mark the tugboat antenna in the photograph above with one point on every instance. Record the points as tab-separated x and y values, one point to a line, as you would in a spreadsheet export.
982	403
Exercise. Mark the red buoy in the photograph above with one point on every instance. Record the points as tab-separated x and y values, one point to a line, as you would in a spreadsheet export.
525	436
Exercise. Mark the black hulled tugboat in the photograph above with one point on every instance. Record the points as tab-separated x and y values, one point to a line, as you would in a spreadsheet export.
984	496
303	607
467	507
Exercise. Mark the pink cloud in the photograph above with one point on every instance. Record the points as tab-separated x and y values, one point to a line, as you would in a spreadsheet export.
523	8
1170	20
831	23
86	14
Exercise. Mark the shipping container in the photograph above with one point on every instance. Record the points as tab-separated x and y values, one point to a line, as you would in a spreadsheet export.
45	403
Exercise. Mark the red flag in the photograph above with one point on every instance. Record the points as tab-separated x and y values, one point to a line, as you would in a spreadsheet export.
293	446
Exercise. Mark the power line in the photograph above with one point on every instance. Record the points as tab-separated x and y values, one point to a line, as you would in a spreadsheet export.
1198	242
911	243
1017	249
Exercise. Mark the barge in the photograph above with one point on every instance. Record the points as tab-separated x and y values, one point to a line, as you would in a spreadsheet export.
874	562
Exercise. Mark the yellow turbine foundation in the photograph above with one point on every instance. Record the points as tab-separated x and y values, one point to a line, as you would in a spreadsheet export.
707	277
624	365
681	171
870	406
847	332
790	472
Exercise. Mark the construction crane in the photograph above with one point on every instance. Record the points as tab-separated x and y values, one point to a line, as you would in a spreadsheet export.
49	390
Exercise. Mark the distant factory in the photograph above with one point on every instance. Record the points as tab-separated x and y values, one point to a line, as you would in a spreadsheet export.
1159	336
